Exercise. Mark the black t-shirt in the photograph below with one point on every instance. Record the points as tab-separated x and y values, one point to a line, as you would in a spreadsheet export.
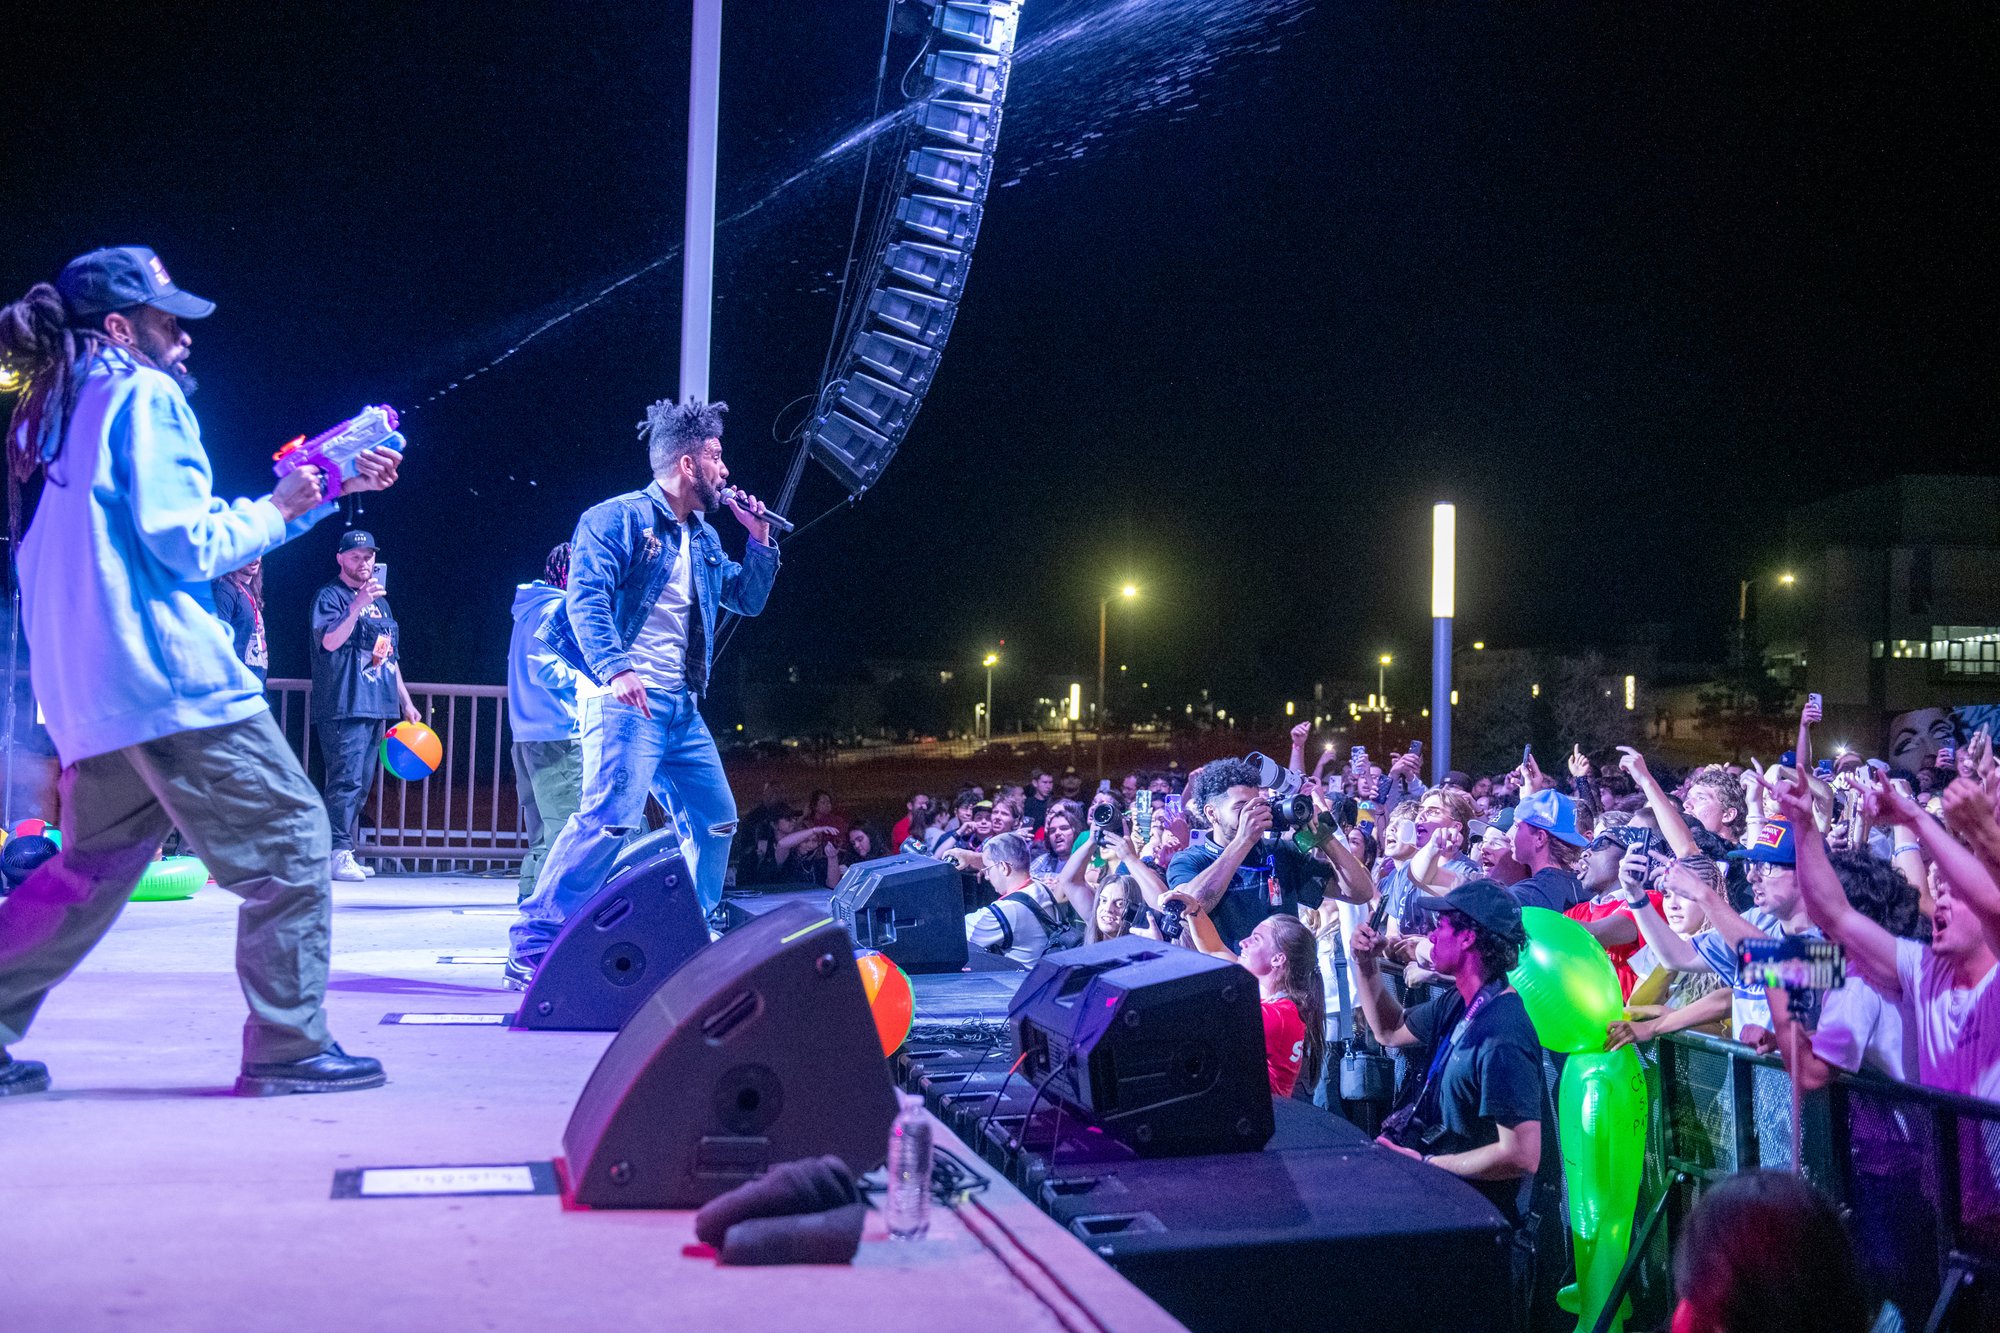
1551	887
1247	900
346	681
234	608
1492	1077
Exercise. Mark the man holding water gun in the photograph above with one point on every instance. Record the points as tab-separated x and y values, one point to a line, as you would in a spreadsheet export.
156	722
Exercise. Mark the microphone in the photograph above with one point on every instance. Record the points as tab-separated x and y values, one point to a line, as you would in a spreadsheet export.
778	522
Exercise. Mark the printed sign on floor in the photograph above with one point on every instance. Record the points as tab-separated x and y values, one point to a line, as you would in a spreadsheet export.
410	1182
450	1020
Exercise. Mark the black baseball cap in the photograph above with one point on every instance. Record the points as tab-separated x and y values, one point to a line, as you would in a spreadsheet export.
1485	901
354	539
121	277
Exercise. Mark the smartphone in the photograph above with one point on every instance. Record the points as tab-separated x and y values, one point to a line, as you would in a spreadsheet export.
1813	701
1357	754
1528	753
1380	915
1416	747
1103	786
382	576
1142	815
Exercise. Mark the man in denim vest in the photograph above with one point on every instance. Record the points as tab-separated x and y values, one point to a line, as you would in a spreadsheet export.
647	577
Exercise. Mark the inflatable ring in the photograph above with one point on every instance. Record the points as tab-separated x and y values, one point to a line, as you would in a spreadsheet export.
170	880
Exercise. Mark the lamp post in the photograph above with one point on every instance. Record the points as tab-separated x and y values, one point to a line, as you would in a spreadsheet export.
1444	580
1382	701
1128	591
992	660
698	259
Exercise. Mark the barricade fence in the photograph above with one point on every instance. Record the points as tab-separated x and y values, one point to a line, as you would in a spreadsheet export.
1917	1171
464	817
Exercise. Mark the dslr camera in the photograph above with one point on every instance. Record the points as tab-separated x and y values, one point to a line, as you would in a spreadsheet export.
1289	813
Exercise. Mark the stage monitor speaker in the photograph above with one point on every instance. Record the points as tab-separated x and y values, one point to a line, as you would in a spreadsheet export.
761	1050
645	922
642	847
1160	1047
908	906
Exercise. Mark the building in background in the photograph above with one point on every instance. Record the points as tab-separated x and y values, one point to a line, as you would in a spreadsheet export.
1894	613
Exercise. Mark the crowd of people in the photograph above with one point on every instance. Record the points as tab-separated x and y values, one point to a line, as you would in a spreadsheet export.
1375	911
1364	881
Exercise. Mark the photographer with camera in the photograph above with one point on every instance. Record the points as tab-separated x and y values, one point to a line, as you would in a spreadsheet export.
1234	872
1477	1112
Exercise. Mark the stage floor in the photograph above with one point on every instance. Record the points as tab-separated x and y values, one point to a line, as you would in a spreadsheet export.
140	1194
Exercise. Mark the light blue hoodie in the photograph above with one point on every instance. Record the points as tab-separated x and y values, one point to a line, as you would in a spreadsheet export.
541	687
115	570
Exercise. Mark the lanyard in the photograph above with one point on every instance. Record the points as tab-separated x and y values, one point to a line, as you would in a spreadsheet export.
1450	1043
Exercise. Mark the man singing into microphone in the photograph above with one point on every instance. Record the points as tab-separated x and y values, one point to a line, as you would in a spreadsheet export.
647	576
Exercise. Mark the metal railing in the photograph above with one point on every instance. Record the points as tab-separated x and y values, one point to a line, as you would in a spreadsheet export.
466	816
1916	1170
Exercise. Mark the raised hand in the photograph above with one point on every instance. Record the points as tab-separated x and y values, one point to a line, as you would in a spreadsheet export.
1812	714
1795	804
1579	763
1633	765
1301	733
1968	811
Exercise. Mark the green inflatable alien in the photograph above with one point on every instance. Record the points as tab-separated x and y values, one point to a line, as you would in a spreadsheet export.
1565	981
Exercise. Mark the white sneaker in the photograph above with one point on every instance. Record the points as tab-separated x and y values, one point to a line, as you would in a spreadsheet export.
345	867
367	872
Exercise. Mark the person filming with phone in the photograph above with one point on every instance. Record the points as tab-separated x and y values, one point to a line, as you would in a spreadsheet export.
358	689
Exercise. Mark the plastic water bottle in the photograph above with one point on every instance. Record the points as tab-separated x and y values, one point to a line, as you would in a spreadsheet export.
908	1205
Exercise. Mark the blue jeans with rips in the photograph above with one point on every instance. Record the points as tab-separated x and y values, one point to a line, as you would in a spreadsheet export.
626	754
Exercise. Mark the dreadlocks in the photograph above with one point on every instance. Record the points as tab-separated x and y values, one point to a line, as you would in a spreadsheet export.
42	350
672	429
556	572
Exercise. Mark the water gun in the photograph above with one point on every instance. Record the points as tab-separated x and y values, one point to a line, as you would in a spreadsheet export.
333	452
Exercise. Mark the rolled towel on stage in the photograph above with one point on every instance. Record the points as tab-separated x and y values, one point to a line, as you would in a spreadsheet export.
813	1238
809	1185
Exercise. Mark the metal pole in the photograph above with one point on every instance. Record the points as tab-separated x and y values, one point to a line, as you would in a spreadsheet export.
1103	612
1444	605
1440	697
698	254
989	703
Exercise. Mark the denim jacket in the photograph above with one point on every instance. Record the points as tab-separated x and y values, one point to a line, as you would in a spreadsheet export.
621	560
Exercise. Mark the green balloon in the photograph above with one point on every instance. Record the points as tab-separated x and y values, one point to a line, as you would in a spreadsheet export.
1566	982
1602	1119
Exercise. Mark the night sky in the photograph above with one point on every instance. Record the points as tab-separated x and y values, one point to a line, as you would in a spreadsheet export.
1264	279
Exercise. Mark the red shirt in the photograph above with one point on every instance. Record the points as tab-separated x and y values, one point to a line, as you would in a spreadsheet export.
1284	1044
1621	954
899	834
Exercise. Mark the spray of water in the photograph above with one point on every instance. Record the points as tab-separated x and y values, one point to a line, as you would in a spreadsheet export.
1083	82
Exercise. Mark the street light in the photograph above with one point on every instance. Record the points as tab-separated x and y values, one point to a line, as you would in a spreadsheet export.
992	660
1444	598
1381	675
1128	591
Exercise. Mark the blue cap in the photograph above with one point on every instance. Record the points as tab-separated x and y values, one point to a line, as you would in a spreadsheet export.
1774	845
121	277
1553	813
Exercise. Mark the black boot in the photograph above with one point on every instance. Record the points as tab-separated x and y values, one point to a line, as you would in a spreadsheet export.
332	1070
20	1077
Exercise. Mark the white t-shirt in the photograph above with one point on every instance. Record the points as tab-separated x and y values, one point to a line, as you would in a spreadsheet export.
659	654
1957	1030
1031	940
1859	1029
